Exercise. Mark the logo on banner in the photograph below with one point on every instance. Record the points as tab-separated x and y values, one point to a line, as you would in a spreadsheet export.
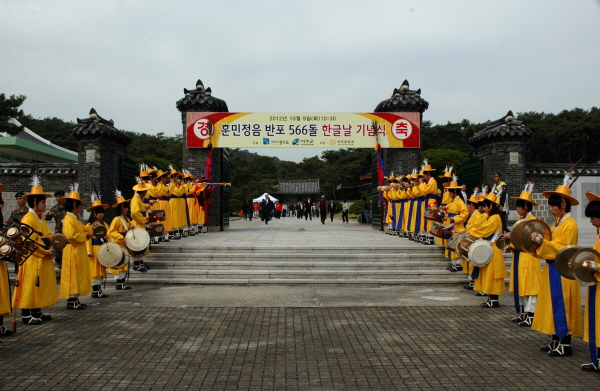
203	129
402	129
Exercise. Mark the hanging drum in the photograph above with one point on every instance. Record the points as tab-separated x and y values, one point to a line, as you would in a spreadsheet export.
434	214
156	216
111	255
155	229
441	231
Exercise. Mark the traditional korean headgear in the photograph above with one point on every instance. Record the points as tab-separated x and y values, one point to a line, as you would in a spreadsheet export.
36	188
447	173
96	200
454	184
187	174
173	171
475	198
564	190
489	197
592	197
427	166
144	170
141	185
414	174
526	194
74	193
119	198
158	172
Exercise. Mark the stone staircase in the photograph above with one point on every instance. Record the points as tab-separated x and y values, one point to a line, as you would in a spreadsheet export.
251	265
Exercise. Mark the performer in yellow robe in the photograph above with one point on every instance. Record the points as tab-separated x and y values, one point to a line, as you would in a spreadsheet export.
476	217
555	315
97	270
412	200
428	190
163	204
138	215
591	325
457	214
36	280
446	179
192	202
490	280
75	272
202	215
116	233
525	277
177	202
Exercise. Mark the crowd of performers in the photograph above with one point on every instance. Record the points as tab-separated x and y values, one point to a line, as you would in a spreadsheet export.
179	198
545	298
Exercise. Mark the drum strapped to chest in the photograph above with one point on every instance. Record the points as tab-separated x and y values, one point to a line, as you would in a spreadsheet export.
434	214
441	231
138	242
111	255
155	229
477	251
156	216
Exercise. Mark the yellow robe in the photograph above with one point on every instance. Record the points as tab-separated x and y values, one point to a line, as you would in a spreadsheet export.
163	204
201	211
97	270
75	272
388	212
491	276
586	336
564	234
444	242
116	233
177	203
192	202
459	209
138	212
474	221
530	272
30	294
5	304
426	190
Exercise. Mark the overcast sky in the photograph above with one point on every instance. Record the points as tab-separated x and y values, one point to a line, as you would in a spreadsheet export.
130	60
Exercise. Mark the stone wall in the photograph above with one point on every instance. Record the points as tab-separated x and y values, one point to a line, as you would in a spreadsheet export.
401	160
53	176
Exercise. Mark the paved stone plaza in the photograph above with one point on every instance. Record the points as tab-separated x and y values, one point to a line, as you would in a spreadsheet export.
286	337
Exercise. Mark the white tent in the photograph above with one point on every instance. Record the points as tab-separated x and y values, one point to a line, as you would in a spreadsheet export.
262	197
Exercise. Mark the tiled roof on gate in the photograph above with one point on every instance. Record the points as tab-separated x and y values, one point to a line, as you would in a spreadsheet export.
503	128
200	99
403	99
299	187
96	125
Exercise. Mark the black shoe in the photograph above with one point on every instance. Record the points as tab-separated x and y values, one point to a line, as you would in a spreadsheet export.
73	305
522	316
99	295
41	316
31	320
469	286
480	294
549	347
456	268
589	367
527	322
5	332
490	304
123	287
561	351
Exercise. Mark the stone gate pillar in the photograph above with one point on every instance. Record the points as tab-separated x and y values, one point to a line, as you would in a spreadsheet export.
403	160
502	146
100	148
194	159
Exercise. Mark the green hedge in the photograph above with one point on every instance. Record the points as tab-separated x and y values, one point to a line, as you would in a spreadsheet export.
235	206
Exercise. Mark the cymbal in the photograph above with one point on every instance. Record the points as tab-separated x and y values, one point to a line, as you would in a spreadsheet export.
562	259
99	232
523	231
581	272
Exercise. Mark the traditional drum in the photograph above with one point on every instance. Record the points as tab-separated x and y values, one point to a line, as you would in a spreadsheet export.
441	231
434	214
156	216
59	241
137	241
477	251
455	240
111	255
155	229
